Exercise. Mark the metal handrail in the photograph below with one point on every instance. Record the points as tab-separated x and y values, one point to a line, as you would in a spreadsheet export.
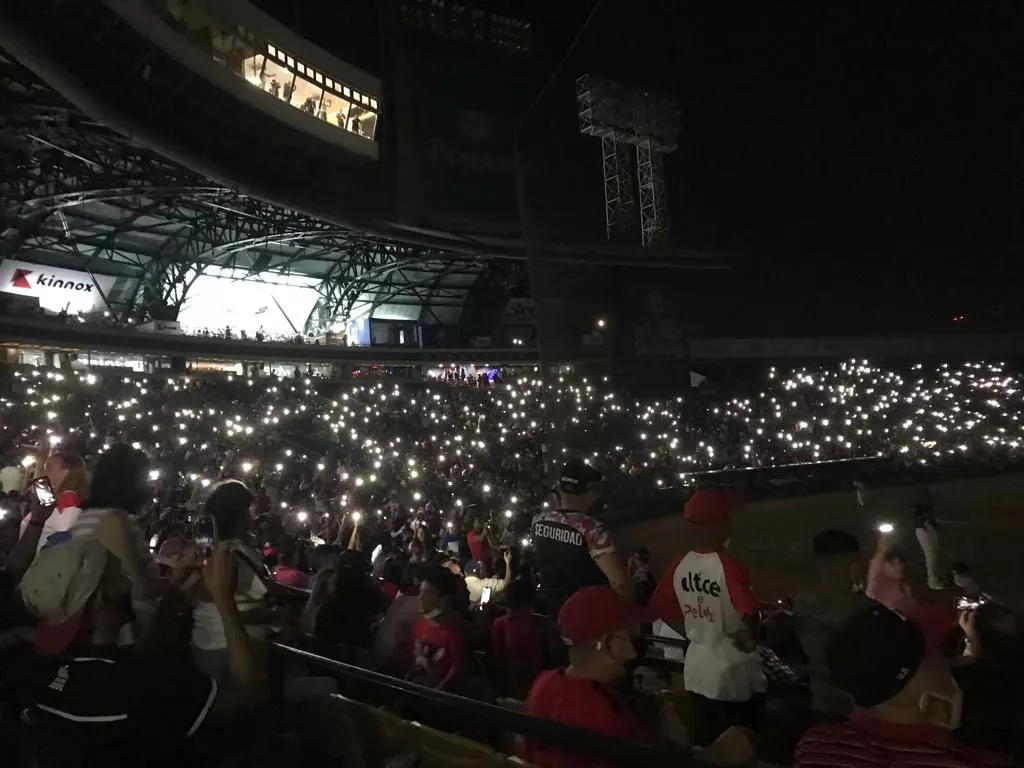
570	738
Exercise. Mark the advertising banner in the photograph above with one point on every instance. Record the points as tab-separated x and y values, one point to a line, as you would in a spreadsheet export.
57	289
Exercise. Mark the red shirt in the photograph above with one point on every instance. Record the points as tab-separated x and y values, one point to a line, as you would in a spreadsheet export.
518	646
577	702
865	741
437	650
290	577
479	549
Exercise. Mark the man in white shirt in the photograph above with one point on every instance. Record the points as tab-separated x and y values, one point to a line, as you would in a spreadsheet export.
705	595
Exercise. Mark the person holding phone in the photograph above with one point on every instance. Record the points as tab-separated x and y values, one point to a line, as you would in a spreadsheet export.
57	499
478	587
886	581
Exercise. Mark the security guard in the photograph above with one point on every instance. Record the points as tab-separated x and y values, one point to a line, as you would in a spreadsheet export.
572	549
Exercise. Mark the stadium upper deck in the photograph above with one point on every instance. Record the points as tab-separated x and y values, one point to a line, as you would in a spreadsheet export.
224	90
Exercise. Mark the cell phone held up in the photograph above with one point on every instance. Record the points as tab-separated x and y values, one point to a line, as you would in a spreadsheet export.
43	492
204	536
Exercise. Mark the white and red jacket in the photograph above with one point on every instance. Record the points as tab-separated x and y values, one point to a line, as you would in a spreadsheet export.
60	522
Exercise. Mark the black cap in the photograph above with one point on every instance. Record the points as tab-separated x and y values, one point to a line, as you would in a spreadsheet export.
353	560
577	477
875	654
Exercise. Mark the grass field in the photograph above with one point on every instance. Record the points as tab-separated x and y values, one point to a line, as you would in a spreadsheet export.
982	522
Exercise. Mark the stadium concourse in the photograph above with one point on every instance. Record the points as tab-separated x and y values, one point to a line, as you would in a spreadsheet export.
334	505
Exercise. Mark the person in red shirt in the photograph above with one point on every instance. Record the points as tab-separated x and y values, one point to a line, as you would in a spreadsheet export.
597	624
291	577
516	641
479	542
437	635
907	701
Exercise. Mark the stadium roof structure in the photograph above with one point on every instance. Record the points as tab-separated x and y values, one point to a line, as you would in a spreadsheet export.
76	194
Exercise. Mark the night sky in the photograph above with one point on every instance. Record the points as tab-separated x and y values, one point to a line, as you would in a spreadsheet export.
851	158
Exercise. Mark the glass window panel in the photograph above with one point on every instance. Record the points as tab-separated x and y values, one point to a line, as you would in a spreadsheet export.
362	121
335	109
307	95
328	82
271	50
291	61
254	70
373	103
276	80
346	91
319	78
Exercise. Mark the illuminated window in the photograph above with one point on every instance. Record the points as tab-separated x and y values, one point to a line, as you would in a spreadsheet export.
266	67
307	97
336	110
277	81
362	122
253	69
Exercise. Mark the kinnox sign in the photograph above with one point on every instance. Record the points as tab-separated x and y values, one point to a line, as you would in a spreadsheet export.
57	289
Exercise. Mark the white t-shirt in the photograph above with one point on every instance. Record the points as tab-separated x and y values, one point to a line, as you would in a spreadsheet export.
710	593
207	625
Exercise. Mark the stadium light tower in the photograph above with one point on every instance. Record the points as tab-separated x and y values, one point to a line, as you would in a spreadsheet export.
627	118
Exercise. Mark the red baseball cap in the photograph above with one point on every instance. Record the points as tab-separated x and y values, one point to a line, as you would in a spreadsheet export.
710	506
594	612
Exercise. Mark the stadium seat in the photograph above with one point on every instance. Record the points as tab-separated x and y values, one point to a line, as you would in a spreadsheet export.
681	702
345	717
387	739
443	750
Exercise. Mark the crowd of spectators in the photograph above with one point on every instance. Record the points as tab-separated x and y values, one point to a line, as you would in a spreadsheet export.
427	531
